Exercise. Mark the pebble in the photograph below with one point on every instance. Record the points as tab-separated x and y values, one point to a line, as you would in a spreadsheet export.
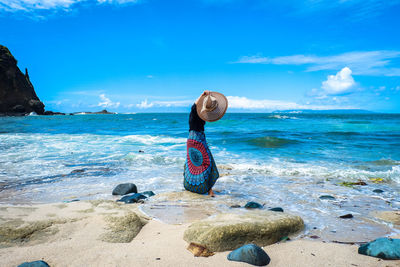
78	171
278	209
328	197
34	264
253	205
378	191
251	254
346	216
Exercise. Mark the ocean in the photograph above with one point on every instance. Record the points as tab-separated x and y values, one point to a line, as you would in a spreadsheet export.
287	160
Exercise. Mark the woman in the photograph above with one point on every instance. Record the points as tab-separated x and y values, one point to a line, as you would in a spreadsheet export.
200	171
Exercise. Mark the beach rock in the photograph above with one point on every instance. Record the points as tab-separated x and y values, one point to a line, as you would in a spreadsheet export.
17	95
253	205
34	264
230	231
123	189
346	216
378	191
133	198
278	209
327	197
251	254
384	248
122	229
148	193
235	206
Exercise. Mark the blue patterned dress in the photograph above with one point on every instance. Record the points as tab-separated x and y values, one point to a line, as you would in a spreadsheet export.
200	171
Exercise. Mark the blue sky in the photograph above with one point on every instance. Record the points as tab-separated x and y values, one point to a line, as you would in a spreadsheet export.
158	55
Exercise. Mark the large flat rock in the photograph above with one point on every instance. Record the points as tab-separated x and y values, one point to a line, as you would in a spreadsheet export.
229	231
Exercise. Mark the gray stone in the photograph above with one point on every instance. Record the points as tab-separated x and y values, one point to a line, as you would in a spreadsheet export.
251	254
230	231
123	189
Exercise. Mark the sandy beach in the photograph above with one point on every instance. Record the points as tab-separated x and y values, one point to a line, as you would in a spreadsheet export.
83	233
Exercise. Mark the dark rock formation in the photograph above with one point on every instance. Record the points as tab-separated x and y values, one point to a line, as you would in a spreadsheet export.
17	95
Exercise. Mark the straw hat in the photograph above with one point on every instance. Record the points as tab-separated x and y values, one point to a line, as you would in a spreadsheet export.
212	107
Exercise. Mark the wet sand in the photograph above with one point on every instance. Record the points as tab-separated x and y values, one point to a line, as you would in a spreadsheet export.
75	234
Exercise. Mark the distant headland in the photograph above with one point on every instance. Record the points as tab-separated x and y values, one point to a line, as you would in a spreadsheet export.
326	111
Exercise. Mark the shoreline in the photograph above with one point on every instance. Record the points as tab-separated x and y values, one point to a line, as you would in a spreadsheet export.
74	236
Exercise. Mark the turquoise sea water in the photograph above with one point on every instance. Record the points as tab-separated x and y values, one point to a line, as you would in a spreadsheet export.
286	160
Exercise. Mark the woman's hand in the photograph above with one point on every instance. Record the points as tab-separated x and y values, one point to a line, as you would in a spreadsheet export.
205	93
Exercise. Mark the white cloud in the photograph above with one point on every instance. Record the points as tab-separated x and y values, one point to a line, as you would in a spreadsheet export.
361	62
253	60
107	103
145	104
31	6
117	1
340	83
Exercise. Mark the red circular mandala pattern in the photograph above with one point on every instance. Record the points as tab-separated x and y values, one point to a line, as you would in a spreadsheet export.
206	159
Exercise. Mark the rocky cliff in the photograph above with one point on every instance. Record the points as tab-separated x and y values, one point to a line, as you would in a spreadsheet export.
17	95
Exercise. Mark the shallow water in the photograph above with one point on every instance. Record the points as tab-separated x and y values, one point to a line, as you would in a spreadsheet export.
285	160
